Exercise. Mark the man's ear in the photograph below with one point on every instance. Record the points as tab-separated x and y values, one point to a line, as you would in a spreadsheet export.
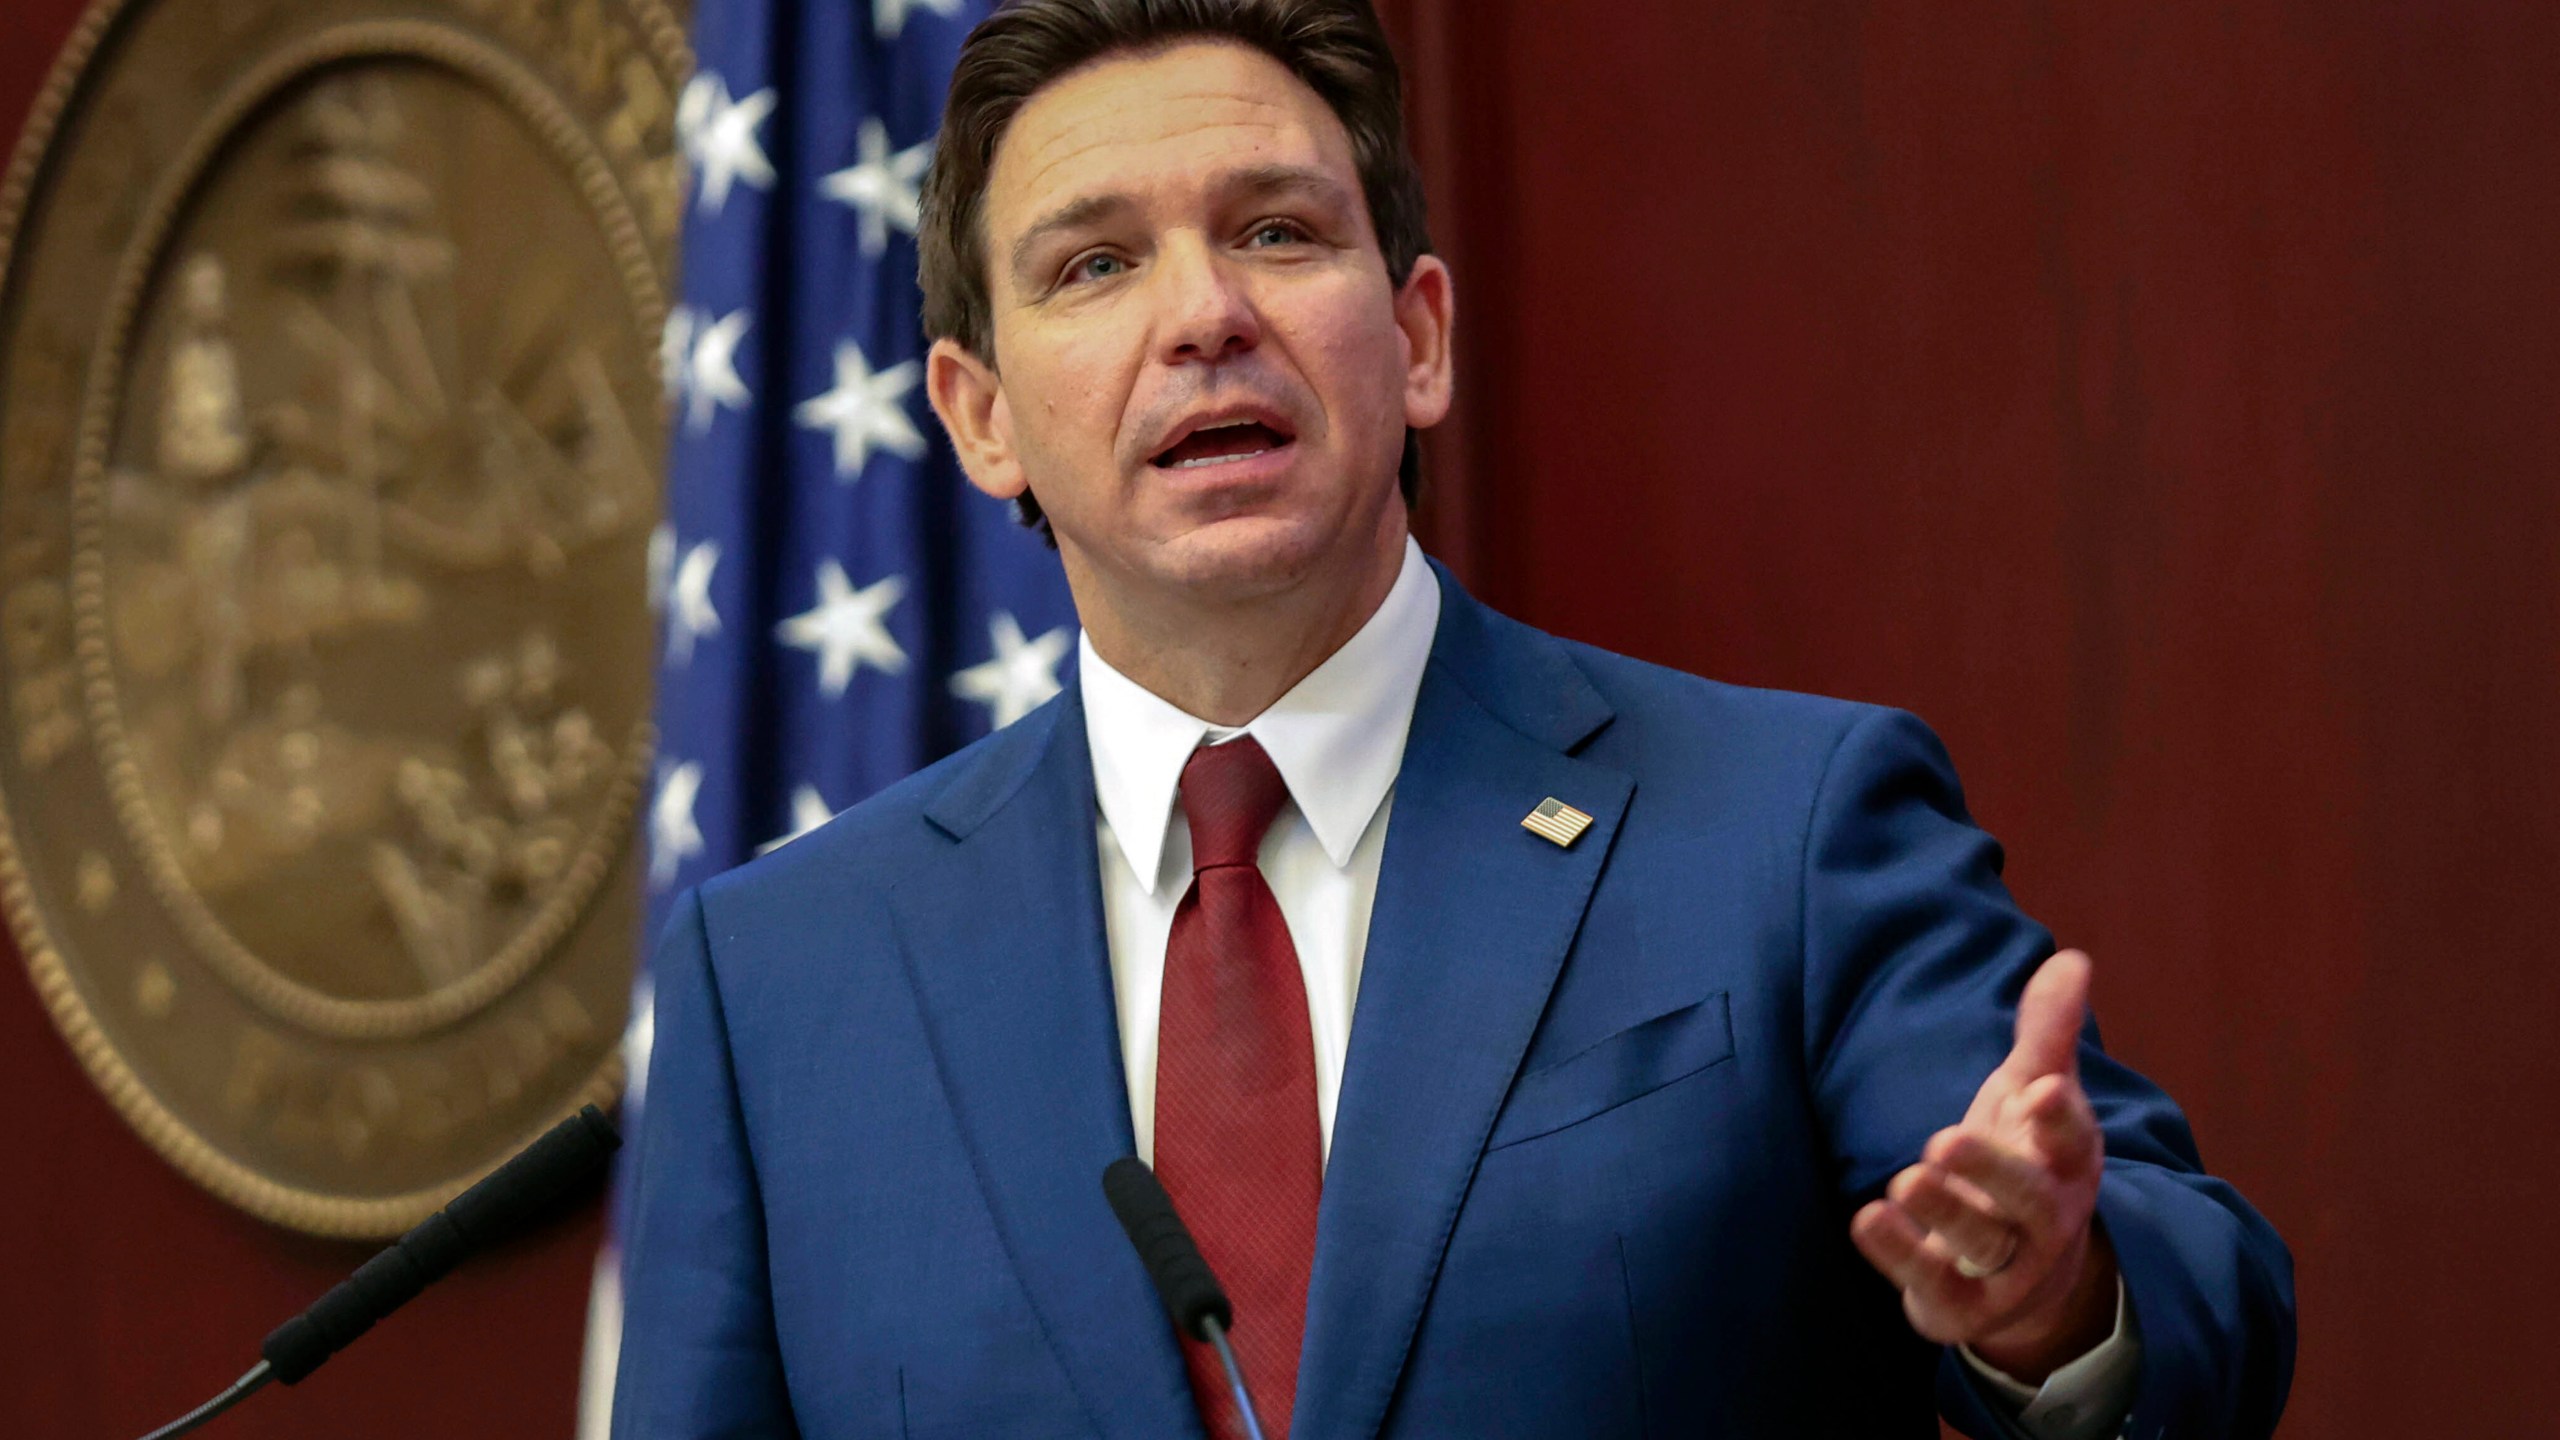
1427	313
969	397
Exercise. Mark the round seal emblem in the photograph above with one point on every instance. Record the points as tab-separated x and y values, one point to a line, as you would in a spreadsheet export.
328	465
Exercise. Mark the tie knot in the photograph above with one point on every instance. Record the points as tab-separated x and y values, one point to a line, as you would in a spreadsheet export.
1230	794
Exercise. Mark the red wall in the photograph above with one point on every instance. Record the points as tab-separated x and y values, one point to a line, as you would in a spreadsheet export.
2161	399
127	1295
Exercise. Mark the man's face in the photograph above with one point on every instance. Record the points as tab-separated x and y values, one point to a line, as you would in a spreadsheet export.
1200	369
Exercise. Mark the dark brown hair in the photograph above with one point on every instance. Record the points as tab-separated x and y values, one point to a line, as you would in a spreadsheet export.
1336	46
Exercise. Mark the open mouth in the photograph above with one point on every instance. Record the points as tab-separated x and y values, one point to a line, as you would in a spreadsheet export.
1225	443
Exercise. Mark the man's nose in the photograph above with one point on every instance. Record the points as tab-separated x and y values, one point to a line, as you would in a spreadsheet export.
1207	314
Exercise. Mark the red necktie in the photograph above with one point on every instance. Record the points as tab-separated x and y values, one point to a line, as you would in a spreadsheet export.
1236	1139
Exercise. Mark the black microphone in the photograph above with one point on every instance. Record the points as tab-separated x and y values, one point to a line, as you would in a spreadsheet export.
1189	1289
476	1219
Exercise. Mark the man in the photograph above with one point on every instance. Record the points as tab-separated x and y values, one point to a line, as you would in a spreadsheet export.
1541	1043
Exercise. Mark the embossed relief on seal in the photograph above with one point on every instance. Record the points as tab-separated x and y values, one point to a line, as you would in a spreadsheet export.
329	454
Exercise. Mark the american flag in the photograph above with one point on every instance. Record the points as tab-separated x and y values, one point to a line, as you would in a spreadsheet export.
838	608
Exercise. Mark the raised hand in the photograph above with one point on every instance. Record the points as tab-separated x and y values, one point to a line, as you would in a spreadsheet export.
1990	1235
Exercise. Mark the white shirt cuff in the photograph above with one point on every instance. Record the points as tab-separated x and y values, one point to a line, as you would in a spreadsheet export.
2085	1400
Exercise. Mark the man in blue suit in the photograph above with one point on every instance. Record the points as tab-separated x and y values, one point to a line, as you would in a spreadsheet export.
1542	1043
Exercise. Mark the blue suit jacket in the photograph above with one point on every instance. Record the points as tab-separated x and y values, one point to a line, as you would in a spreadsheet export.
1606	1113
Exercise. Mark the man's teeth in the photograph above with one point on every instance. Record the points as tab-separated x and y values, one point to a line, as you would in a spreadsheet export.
1208	460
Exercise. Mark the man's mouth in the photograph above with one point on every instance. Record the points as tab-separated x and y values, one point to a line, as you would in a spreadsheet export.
1221	444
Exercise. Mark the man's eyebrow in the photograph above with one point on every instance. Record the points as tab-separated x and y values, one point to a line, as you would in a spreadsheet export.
1074	215
1265	180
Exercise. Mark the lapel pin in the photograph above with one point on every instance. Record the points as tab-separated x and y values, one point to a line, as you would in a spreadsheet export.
1557	821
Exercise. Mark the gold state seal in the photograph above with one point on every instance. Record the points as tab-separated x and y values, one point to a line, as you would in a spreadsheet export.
328	466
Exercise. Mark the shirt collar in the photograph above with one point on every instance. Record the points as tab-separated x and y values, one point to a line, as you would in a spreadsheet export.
1337	737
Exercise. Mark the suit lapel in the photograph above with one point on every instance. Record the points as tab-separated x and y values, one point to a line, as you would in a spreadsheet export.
1473	918
1003	938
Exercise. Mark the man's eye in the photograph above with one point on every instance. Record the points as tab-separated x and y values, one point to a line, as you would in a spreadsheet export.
1277	232
1098	266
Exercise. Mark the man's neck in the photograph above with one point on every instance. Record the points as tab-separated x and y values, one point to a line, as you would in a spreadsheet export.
1226	663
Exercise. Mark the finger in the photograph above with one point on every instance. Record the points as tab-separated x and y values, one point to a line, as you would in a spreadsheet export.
2018	1186
2064	1127
1963	1222
2050	1016
1894	1243
1934	1296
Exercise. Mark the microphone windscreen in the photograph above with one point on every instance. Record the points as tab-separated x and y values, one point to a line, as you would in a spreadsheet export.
478	1217
1183	1279
540	1173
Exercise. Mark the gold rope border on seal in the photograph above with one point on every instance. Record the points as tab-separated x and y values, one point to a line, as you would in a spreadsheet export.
286	999
311	1211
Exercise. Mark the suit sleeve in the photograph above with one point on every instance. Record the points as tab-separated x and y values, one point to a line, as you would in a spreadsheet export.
699	1358
1914	959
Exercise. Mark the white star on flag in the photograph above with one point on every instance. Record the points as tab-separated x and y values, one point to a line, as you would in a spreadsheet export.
675	348
865	410
692	106
889	17
1022	676
809	810
662	566
713	372
845	630
639	1038
694	617
719	136
882	186
673	837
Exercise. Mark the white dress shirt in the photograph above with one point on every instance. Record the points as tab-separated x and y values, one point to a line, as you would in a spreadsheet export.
1338	740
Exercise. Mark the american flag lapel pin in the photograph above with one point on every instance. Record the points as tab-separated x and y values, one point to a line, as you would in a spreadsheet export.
1555	820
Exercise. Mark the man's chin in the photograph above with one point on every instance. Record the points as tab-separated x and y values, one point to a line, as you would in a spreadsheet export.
1238	558
1248	554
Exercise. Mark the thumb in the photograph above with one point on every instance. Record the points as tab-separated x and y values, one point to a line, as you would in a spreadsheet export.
2050	1016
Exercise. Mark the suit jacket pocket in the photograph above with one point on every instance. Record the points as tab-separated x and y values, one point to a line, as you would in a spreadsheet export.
1630	1064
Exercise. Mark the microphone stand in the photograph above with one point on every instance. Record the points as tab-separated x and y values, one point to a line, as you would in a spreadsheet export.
1192	1296
241	1389
497	1206
1217	1335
